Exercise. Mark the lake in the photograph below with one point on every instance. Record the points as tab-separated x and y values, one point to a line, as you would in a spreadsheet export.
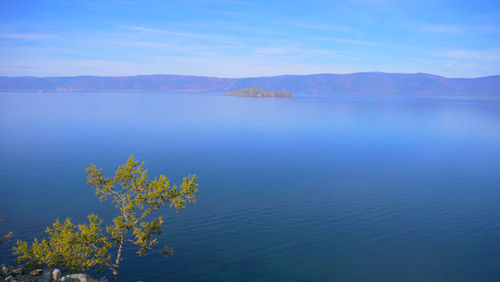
309	188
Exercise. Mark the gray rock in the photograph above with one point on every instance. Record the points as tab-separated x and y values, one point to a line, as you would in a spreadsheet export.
10	279
36	272
4	270
56	274
17	272
80	277
39	275
46	277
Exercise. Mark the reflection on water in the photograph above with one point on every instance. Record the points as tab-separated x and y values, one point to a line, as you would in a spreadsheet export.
303	189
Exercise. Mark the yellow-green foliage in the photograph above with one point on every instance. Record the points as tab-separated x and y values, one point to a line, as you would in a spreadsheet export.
70	246
78	248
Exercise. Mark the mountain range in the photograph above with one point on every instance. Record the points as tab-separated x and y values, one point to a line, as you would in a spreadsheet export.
363	83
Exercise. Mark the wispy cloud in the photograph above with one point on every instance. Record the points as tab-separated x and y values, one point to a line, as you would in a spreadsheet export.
442	28
375	2
272	50
182	34
351	41
318	26
485	55
296	51
227	66
457	28
161	31
146	44
167	47
60	67
28	36
223	13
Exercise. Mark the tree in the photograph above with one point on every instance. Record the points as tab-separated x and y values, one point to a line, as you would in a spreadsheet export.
81	247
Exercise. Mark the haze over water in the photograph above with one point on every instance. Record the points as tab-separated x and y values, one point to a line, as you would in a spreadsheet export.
309	188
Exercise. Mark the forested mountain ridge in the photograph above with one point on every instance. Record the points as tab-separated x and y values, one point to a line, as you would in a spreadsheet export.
365	83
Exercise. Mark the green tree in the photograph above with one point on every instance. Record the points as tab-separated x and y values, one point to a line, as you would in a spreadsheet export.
80	247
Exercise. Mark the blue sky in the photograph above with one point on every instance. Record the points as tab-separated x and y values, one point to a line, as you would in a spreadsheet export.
240	38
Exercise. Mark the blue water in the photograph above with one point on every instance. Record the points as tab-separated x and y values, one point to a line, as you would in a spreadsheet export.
330	188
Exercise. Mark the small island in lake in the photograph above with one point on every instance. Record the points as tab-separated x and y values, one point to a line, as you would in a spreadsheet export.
256	92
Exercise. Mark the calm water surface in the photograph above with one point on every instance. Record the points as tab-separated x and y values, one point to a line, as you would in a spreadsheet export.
301	189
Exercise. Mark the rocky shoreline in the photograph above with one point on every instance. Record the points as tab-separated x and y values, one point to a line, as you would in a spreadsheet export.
18	274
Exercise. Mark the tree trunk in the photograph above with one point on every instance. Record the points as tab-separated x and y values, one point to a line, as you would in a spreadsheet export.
118	258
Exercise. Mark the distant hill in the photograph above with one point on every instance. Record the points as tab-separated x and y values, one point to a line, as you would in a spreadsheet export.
366	83
256	92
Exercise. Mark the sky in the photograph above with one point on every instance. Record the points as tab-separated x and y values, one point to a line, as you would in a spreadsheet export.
241	38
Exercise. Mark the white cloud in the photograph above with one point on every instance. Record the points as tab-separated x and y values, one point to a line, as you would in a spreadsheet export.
442	28
28	36
350	41
213	37
216	65
320	26
375	2
484	55
457	28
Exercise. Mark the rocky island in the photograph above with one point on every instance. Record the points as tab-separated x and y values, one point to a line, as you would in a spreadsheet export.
256	92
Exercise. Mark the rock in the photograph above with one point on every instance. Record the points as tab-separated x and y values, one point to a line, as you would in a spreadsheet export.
15	279
4	270
8	273
17	272
56	274
36	272
46	277
80	277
